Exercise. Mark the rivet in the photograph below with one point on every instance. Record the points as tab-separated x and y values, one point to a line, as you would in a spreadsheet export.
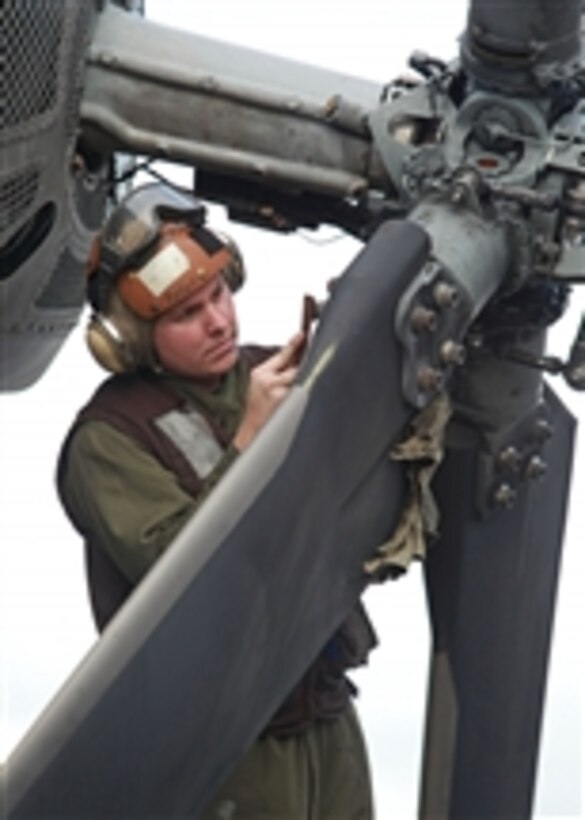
536	468
423	320
452	353
510	458
505	496
429	379
445	296
542	430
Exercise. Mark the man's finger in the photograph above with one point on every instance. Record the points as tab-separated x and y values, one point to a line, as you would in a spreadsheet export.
287	354
285	377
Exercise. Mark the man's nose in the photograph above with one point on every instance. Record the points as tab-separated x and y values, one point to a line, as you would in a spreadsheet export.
215	318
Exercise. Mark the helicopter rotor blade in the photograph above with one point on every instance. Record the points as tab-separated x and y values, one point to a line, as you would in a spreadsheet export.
208	646
491	584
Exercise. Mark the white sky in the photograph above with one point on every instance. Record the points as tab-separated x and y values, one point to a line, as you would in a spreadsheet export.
44	617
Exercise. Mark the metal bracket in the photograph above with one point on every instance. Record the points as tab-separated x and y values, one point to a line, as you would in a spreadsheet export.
432	318
514	459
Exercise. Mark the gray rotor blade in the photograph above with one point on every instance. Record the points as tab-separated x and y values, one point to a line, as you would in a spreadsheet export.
195	664
492	586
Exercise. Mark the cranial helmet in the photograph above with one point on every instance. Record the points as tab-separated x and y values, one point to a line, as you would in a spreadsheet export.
153	251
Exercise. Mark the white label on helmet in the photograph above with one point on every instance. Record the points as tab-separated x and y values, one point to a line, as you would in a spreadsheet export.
163	269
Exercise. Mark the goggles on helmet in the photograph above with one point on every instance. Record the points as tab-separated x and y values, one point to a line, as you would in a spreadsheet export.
135	225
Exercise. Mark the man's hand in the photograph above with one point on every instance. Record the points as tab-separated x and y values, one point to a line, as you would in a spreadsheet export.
269	384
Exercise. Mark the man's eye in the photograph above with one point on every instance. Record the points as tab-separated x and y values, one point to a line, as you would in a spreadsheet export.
188	312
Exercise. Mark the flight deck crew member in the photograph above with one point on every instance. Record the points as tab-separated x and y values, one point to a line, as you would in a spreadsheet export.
154	440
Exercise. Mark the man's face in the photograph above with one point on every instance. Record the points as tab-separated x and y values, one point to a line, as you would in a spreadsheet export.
197	338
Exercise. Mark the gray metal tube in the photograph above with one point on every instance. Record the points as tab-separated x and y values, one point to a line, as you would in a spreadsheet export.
519	46
226	108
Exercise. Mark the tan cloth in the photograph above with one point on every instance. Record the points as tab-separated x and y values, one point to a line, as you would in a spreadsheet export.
422	451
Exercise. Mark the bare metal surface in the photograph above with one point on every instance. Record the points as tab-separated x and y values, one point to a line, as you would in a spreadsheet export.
226	108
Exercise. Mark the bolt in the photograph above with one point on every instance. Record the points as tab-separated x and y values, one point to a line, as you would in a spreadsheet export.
510	458
536	468
331	105
423	320
452	353
77	163
575	376
445	296
429	379
542	431
504	496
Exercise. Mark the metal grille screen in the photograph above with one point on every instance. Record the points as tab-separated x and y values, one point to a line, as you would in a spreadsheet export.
17	193
31	35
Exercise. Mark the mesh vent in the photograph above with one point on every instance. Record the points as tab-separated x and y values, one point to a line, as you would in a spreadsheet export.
32	31
17	193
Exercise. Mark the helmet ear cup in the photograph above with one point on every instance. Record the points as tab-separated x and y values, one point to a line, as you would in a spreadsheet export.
119	340
107	345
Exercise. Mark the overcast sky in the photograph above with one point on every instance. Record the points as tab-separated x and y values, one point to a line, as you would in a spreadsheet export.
45	620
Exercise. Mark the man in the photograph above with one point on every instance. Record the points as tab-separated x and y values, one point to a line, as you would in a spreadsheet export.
156	438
